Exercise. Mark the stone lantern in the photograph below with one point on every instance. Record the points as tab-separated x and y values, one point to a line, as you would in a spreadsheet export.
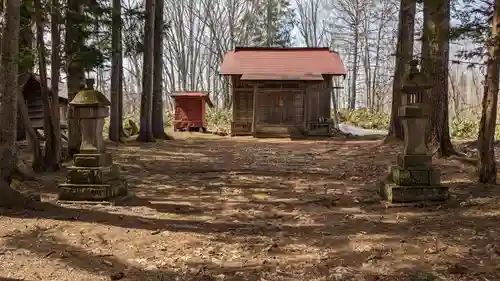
93	176
414	178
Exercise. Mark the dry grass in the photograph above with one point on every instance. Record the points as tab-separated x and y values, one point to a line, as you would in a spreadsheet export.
219	208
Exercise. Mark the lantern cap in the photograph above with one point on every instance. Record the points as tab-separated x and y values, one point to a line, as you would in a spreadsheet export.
415	80
90	98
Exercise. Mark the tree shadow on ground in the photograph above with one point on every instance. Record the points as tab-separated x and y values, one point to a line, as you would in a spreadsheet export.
43	243
290	210
416	240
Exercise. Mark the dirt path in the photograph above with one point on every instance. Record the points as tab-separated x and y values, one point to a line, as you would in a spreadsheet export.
242	209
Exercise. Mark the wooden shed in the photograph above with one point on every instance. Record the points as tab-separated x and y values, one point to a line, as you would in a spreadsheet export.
31	89
282	92
190	110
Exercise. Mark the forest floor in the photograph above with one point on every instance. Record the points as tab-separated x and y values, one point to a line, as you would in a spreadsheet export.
212	208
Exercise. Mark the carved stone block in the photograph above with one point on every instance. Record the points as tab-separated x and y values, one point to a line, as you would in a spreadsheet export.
407	194
415	175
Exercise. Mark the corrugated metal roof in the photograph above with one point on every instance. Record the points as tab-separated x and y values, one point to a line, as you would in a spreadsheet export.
294	62
189	94
194	94
281	77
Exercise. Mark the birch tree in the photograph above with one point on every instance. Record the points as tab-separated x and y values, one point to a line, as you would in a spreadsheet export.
312	22
350	15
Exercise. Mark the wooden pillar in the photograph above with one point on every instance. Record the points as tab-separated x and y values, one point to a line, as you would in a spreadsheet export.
254	110
305	104
235	101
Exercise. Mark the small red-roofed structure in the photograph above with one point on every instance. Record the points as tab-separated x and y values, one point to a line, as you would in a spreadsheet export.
190	109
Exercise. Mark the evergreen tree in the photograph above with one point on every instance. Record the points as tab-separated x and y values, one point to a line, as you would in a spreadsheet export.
276	17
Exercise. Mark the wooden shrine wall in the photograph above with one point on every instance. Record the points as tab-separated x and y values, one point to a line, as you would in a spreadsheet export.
282	106
242	107
319	100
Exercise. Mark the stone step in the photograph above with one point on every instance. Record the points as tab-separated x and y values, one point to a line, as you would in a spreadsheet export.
92	159
91	192
394	193
415	176
92	175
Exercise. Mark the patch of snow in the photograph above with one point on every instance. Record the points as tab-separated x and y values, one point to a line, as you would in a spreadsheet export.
357	131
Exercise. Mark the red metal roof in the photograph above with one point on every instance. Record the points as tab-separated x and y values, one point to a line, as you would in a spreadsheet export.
194	94
281	77
273	62
189	94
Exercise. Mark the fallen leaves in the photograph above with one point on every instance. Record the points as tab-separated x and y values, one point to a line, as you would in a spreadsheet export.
279	207
117	276
458	268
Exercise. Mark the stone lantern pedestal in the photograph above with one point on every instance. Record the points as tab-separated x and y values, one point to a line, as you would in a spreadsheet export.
93	176
414	178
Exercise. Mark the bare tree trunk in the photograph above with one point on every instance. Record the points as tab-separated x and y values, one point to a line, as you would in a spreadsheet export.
115	121
55	68
367	61
26	64
2	3
269	32
336	121
378	47
26	38
120	96
9	90
158	128
146	127
404	53
435	53
76	73
487	165
50	163
352	100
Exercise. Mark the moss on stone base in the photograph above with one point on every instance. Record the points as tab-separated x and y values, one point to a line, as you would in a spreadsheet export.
406	194
92	192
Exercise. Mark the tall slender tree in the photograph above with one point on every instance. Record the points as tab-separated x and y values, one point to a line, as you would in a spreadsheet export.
25	69
55	63
1	14
116	47
158	126
146	114
26	39
404	53
120	96
9	91
435	55
271	23
51	162
487	165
